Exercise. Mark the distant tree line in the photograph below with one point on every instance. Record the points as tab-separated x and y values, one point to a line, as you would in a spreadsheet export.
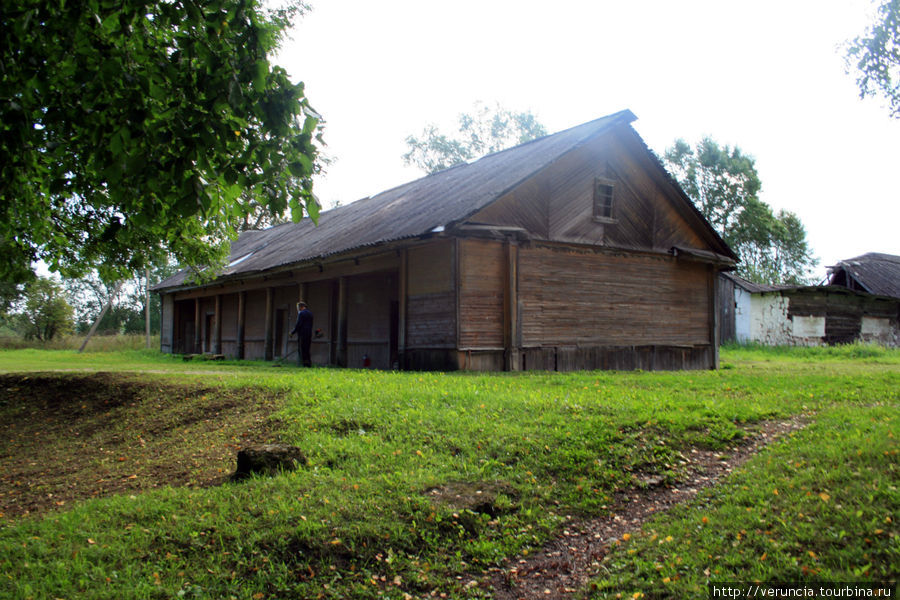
45	308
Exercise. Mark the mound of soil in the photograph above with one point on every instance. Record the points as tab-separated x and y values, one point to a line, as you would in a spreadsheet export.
71	437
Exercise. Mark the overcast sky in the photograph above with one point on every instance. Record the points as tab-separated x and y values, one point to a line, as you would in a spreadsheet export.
767	76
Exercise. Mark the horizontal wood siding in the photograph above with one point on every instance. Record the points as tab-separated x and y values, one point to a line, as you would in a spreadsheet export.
617	358
843	312
431	321
576	298
481	295
431	300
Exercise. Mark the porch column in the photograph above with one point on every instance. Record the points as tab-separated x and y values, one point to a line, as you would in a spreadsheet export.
341	357
241	323
511	307
268	352
401	321
197	327
217	327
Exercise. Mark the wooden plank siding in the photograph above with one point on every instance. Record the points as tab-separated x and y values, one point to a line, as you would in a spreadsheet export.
581	297
431	303
482	283
557	204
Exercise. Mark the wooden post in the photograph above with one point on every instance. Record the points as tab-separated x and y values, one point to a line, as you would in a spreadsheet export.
241	323
511	306
268	353
341	357
404	292
196	349
457	309
100	317
303	296
713	317
217	326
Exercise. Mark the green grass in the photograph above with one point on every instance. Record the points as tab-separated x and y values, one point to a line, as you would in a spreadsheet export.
388	505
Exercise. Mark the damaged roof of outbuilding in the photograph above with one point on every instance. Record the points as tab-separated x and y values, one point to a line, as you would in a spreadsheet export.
876	273
418	208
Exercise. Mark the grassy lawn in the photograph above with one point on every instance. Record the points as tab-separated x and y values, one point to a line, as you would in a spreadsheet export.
419	483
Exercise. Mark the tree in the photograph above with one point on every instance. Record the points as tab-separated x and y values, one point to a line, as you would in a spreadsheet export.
876	57
724	185
484	131
44	313
131	129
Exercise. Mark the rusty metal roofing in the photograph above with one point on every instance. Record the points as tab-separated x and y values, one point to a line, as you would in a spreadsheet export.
874	272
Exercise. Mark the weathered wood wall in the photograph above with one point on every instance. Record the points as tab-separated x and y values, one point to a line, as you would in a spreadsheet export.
727	310
557	204
580	297
431	300
369	299
167	324
482	285
845	312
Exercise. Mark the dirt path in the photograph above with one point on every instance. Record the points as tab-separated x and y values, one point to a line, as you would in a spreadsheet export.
566	565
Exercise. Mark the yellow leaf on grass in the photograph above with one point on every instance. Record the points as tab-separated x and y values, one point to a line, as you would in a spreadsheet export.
626	537
825	497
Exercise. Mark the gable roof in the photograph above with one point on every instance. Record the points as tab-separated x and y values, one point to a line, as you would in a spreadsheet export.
876	273
430	204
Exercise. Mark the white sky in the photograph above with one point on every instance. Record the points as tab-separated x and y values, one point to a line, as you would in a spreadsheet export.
767	76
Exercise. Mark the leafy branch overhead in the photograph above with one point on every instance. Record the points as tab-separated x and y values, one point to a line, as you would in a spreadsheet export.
133	128
875	56
484	131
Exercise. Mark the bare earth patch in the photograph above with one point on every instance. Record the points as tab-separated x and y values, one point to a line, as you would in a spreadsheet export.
565	565
70	437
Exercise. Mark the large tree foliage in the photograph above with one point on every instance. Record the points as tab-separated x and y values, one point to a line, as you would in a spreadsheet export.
724	185
483	131
131	128
875	56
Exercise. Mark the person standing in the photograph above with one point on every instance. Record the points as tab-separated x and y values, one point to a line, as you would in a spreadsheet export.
303	329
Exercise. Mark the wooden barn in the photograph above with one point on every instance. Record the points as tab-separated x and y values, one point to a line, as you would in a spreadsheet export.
574	251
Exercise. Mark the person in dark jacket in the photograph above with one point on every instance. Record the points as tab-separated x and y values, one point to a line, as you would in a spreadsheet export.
304	329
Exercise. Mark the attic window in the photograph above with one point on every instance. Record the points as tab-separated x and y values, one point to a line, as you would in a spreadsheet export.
604	193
